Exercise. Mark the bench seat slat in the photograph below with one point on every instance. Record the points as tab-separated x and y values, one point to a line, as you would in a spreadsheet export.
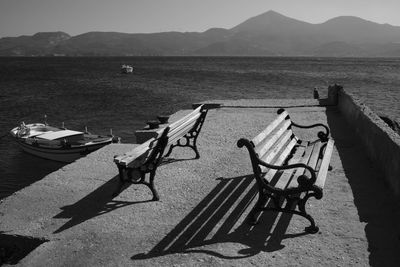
136	152
287	175
299	171
264	146
139	149
176	137
315	155
310	160
261	136
182	129
188	116
269	175
323	170
268	157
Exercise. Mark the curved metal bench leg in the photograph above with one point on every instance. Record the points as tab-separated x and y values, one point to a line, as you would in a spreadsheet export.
312	229
194	147
193	136
151	186
169	150
187	144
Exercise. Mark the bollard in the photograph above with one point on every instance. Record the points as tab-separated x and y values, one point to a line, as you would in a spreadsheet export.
316	94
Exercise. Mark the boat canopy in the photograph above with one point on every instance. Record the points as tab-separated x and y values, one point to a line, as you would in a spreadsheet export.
58	134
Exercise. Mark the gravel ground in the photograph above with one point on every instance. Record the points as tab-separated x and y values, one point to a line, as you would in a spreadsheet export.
200	219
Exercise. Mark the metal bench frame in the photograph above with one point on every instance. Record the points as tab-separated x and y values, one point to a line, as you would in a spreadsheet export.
144	159
145	162
190	136
306	184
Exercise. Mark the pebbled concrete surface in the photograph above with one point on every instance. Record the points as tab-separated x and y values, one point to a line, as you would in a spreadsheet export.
200	219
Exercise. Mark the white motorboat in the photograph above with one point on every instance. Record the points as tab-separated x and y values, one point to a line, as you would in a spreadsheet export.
126	69
58	144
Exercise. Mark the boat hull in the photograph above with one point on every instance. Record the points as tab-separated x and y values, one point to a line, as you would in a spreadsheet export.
66	155
58	144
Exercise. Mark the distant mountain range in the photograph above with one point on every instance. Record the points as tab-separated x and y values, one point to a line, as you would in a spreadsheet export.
269	34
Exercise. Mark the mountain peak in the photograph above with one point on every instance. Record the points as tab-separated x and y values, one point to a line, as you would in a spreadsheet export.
272	13
268	20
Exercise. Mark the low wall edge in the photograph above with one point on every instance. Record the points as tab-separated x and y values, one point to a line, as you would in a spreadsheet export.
381	143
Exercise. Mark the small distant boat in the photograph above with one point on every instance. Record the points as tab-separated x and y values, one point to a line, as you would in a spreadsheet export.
58	144
126	69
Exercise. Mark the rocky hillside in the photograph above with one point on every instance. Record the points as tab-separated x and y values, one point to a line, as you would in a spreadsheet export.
269	34
40	44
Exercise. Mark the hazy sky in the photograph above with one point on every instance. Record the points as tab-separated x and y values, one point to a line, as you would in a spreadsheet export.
26	17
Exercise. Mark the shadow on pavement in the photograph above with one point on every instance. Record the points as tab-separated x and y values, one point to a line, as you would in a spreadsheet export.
14	248
221	218
100	201
22	170
95	204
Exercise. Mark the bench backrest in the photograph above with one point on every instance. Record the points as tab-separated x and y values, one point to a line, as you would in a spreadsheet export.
147	154
276	141
150	152
188	124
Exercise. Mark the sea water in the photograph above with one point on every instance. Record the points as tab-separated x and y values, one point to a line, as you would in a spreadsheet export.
91	92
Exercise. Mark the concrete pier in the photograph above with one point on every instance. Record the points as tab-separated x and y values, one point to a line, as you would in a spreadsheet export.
200	218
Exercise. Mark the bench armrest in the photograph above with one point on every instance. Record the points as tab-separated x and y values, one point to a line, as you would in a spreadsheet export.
302	179
133	162
255	160
151	150
133	156
323	136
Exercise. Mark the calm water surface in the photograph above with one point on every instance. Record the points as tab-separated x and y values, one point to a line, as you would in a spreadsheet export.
91	92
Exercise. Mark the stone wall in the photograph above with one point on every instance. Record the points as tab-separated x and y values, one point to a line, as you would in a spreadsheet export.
381	143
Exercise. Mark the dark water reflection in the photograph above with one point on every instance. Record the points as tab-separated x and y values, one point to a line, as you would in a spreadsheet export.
25	170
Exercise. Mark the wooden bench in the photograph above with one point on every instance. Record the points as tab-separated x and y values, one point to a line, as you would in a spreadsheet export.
288	168
144	159
187	129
